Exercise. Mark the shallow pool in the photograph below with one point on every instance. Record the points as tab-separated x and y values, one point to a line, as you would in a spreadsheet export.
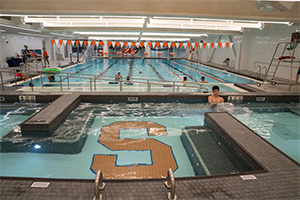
142	140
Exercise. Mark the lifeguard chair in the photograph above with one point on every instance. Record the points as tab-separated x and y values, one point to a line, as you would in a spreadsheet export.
275	61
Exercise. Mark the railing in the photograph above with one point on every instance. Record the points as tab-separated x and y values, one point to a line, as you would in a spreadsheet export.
170	184
99	185
93	79
258	72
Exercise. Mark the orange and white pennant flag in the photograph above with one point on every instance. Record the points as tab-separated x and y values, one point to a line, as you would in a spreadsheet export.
220	45
212	45
113	44
161	44
201	45
223	45
193	45
230	45
177	44
169	44
69	42
185	45
104	43
137	45
227	44
153	44
88	43
121	44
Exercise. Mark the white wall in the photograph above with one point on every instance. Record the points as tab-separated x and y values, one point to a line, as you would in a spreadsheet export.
260	45
11	45
254	47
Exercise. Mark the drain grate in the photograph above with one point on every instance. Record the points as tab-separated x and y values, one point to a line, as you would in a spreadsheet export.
40	184
248	177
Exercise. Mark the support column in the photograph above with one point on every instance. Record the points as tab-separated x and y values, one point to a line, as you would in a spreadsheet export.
147	49
105	49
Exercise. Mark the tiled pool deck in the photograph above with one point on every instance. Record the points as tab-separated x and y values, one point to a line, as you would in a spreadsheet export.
280	178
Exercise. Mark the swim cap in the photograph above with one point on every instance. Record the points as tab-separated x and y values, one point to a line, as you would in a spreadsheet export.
119	72
25	46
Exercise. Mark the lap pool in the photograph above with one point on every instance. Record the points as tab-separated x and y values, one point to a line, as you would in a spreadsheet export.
160	73
142	140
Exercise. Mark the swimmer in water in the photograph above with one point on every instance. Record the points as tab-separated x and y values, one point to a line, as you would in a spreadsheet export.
215	98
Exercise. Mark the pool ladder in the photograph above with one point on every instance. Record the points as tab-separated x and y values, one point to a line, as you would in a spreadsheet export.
99	185
170	184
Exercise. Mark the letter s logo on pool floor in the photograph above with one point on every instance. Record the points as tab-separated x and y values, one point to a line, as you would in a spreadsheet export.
162	156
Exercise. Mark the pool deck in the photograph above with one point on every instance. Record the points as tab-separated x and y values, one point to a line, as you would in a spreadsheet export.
278	180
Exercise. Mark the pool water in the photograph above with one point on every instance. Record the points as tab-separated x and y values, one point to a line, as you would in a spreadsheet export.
11	115
279	126
158	70
144	134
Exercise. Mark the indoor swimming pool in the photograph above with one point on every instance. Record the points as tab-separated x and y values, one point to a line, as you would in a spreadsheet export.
142	140
160	73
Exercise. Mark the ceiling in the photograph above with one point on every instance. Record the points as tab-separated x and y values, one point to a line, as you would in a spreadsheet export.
142	19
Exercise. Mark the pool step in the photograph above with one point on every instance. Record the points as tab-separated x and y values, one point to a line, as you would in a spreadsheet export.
206	150
47	120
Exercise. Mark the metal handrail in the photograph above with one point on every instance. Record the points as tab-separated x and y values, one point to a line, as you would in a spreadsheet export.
159	82
99	185
170	184
259	71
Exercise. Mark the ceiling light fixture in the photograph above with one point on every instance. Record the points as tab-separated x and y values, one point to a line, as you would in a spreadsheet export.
113	38
106	33
173	34
163	39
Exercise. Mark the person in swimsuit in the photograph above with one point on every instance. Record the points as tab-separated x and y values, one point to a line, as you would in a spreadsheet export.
215	98
46	56
51	77
203	80
118	76
30	53
297	75
185	79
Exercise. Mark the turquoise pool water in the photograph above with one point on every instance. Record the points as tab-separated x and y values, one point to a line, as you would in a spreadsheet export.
159	70
11	115
280	126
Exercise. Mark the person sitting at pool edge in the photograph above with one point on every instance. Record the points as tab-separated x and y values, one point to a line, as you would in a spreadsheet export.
127	78
30	53
185	80
215	98
51	77
118	76
203	80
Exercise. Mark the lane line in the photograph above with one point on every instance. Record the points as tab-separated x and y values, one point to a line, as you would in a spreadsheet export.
198	72
169	69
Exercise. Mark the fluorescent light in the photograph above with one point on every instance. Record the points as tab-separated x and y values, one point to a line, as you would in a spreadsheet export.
99	24
16	27
31	34
164	39
173	34
2	31
106	33
113	38
222	20
185	26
